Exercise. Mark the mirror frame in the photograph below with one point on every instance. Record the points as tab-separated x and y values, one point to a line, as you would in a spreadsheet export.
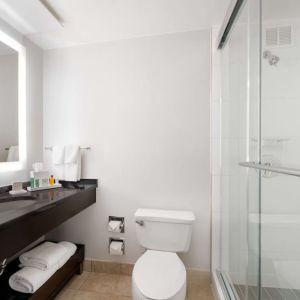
21	163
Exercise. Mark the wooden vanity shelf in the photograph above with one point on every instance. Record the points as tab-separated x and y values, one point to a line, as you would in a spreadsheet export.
50	288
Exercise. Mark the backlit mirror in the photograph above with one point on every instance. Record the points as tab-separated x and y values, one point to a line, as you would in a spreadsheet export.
12	104
9	141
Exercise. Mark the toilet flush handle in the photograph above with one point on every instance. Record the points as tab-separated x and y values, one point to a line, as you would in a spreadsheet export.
141	223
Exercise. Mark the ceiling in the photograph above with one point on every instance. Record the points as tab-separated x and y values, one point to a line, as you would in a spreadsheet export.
64	23
91	21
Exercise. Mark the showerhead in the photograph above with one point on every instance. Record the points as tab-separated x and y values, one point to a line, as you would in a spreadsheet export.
273	59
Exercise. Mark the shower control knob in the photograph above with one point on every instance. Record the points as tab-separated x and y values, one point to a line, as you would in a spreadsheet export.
141	223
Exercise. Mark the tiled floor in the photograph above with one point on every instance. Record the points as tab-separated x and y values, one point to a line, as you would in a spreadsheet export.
103	286
267	293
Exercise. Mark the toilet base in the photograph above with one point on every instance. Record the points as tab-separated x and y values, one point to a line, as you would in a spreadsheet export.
137	295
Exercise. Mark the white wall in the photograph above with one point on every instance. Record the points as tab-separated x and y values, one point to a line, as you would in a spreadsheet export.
8	103
143	107
34	86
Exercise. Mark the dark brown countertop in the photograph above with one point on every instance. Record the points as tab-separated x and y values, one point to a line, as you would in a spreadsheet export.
43	211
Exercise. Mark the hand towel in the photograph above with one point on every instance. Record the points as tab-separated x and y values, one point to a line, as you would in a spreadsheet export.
72	170
58	155
58	160
44	256
71	154
29	279
13	154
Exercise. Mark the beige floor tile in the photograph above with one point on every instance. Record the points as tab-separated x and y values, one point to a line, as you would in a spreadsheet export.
198	277
197	292
76	282
65	294
123	286
84	295
100	283
118	297
126	269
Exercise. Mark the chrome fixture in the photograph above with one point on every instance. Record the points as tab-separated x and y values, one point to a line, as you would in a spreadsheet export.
270	168
272	58
122	223
2	266
141	223
81	148
119	240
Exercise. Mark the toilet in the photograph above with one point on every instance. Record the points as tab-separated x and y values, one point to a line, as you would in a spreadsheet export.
159	274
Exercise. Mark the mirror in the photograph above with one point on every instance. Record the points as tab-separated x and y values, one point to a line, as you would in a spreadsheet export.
12	104
9	143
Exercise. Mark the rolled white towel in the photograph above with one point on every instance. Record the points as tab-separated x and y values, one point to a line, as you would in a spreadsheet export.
44	256
28	279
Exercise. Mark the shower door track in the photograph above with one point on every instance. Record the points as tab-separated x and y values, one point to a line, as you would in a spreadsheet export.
269	168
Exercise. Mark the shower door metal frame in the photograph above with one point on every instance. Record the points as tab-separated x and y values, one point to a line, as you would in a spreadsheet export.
233	12
231	15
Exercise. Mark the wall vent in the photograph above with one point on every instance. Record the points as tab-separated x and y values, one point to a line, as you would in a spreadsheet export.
279	36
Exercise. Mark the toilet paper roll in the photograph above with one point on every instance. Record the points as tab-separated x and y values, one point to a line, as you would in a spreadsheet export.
116	248
114	226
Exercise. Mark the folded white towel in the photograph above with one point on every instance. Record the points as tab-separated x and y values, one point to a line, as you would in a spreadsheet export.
58	155
72	171
28	279
44	256
71	249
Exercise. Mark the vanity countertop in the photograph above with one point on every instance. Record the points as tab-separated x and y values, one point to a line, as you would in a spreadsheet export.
25	218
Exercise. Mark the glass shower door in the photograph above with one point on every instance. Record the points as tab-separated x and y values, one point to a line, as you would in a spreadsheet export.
260	152
280	190
240	136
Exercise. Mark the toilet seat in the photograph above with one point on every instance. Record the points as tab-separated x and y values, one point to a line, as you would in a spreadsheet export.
159	275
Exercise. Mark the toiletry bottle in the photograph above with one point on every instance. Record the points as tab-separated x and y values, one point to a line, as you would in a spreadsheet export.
36	182
32	179
52	180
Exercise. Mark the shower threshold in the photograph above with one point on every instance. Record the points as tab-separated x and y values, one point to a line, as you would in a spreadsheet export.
267	293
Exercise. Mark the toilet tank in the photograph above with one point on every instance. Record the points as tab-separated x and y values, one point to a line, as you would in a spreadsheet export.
164	230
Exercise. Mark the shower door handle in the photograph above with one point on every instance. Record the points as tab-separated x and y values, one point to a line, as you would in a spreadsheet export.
141	223
270	168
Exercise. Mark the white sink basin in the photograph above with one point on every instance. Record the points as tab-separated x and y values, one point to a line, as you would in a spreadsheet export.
5	207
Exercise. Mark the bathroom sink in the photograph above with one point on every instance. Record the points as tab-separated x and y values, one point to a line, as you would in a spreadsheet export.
12	205
7	198
9	203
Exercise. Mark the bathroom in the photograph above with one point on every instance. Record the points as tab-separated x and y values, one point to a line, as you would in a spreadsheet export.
148	149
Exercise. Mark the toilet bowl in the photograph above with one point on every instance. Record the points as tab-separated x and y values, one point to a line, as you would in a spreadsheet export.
159	275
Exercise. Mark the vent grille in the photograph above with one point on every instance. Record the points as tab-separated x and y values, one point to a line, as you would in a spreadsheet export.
280	36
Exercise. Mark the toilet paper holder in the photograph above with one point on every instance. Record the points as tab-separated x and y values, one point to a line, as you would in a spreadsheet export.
119	219
117	240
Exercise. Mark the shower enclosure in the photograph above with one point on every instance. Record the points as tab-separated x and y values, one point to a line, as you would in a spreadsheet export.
260	150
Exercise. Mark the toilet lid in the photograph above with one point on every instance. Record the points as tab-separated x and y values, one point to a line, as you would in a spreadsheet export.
159	275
